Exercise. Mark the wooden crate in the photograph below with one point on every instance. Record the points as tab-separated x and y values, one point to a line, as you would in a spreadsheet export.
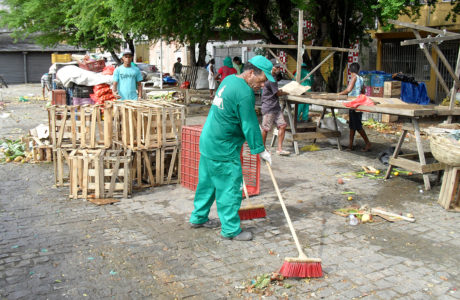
136	126
80	126
449	196
172	121
156	167
100	174
170	165
146	168
61	166
146	125
386	118
41	152
392	89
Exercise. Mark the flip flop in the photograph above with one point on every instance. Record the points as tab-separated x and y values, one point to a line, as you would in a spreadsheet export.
283	153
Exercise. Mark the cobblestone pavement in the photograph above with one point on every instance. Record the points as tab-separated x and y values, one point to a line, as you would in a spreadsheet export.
142	248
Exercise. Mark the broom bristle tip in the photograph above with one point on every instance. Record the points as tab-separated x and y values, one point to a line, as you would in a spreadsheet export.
301	269
249	213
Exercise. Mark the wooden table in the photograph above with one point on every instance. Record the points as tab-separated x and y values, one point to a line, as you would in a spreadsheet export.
414	112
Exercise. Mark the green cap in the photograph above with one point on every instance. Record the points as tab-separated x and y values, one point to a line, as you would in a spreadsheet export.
264	64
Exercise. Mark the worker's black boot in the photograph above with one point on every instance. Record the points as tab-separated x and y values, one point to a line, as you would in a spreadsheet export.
243	236
211	223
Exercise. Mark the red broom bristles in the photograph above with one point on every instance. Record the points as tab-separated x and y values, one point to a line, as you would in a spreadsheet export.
301	269
252	212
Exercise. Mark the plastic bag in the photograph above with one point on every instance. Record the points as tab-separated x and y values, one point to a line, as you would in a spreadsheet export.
344	140
360	100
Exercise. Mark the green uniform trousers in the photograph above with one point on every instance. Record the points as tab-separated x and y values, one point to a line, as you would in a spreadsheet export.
302	112
220	180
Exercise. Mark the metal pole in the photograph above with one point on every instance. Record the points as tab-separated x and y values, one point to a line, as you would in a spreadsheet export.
25	66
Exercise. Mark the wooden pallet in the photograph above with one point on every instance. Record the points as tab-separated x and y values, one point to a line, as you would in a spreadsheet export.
100	174
449	196
80	126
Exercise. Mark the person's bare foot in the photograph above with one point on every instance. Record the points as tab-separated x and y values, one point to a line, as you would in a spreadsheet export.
349	149
367	148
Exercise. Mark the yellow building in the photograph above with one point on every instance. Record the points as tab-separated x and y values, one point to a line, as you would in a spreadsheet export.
393	58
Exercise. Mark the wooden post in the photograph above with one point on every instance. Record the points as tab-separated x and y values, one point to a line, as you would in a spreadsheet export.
278	59
432	63
317	67
454	88
299	45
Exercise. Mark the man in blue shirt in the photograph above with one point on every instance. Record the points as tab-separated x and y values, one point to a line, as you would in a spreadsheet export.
127	79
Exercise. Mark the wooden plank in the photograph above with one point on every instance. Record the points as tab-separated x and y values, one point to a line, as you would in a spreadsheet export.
437	39
148	165
444	187
73	127
420	27
84	186
277	46
280	62
113	178
103	201
432	63
93	123
315	135
315	68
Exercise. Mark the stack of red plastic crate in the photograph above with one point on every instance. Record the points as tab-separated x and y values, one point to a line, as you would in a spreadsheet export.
190	158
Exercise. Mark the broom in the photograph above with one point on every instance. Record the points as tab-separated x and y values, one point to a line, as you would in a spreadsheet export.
250	211
301	266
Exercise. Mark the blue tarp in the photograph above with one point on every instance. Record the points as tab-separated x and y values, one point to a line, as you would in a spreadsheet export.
412	93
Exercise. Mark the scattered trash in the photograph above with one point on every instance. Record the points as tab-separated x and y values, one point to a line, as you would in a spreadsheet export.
112	272
23	99
312	147
90	258
57	281
263	284
385	155
44	250
31	273
14	247
352	220
364	214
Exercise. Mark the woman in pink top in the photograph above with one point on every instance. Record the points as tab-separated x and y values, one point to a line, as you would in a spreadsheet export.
226	70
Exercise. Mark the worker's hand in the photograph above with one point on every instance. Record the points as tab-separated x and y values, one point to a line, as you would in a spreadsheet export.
266	156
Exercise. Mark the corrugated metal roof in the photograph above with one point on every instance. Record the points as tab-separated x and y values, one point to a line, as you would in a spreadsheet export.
7	44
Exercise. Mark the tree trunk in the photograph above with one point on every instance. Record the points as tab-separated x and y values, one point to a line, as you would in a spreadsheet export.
115	57
202	54
192	54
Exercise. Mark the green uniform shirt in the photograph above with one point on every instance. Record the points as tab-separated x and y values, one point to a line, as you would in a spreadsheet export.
231	121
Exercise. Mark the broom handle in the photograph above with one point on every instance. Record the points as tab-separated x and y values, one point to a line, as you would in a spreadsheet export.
245	189
294	235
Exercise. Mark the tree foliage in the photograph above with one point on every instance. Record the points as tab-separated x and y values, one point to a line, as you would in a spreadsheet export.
108	24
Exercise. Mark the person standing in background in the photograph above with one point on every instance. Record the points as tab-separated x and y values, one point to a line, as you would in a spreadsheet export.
225	70
355	88
304	109
177	68
127	79
46	84
211	77
238	65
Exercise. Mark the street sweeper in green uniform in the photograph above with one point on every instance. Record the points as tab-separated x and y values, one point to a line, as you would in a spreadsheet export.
232	120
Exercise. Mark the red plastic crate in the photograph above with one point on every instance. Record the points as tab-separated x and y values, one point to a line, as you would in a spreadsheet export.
95	66
58	97
190	158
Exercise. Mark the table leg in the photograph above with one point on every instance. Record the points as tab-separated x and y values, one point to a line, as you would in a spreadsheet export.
318	124
336	129
421	153
292	124
395	154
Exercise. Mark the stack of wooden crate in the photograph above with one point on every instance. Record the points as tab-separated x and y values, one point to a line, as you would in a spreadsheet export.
152	130
100	151
76	127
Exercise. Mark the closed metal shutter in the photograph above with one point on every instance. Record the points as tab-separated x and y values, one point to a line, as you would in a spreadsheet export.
12	67
38	63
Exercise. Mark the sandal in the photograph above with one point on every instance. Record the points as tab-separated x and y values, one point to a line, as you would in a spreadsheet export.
283	152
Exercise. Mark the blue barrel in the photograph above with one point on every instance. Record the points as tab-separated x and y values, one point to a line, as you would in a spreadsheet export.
377	80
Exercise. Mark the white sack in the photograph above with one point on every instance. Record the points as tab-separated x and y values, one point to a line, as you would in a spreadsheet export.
80	76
